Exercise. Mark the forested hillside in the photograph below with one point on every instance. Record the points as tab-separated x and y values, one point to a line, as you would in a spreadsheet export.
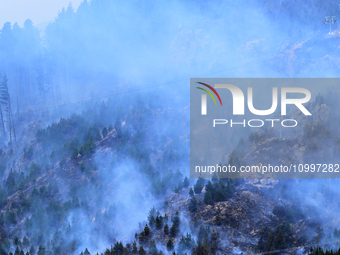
95	130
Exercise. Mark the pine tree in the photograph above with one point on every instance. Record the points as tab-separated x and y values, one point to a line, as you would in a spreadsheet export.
2	121
41	251
198	186
11	217
134	247
5	100
192	206
104	132
17	251
208	198
218	220
280	242
151	216
146	230
16	241
118	128
74	154
159	222
319	233
186	182
170	245
215	243
1	101
32	250
166	229
215	176
141	250
191	192
270	242
173	230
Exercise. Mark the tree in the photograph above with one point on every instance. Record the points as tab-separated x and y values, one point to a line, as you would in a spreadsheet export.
174	230
208	198
62	161
159	222
192	206
201	248
5	100
165	205
191	192
186	243
270	246
17	251
134	247
118	248
146	230
253	137
215	176
218	220
2	250
16	241
104	132
74	154
215	243
141	250
319	234
186	182
170	245
41	250
279	211
11	217
118	128
203	234
279	240
88	148
32	250
1	113
28	154
176	219
152	216
198	186
166	229
10	182
25	241
144	235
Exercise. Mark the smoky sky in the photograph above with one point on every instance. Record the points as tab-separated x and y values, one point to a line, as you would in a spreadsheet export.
37	10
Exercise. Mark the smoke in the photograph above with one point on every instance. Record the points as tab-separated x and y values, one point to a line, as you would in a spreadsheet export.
130	63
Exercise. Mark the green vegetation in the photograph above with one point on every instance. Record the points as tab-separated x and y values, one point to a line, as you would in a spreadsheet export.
199	186
276	239
170	245
192	205
320	251
208	241
219	191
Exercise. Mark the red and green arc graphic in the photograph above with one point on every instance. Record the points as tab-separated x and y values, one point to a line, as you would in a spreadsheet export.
208	92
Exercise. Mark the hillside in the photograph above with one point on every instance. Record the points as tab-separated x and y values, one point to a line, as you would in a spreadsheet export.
73	180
